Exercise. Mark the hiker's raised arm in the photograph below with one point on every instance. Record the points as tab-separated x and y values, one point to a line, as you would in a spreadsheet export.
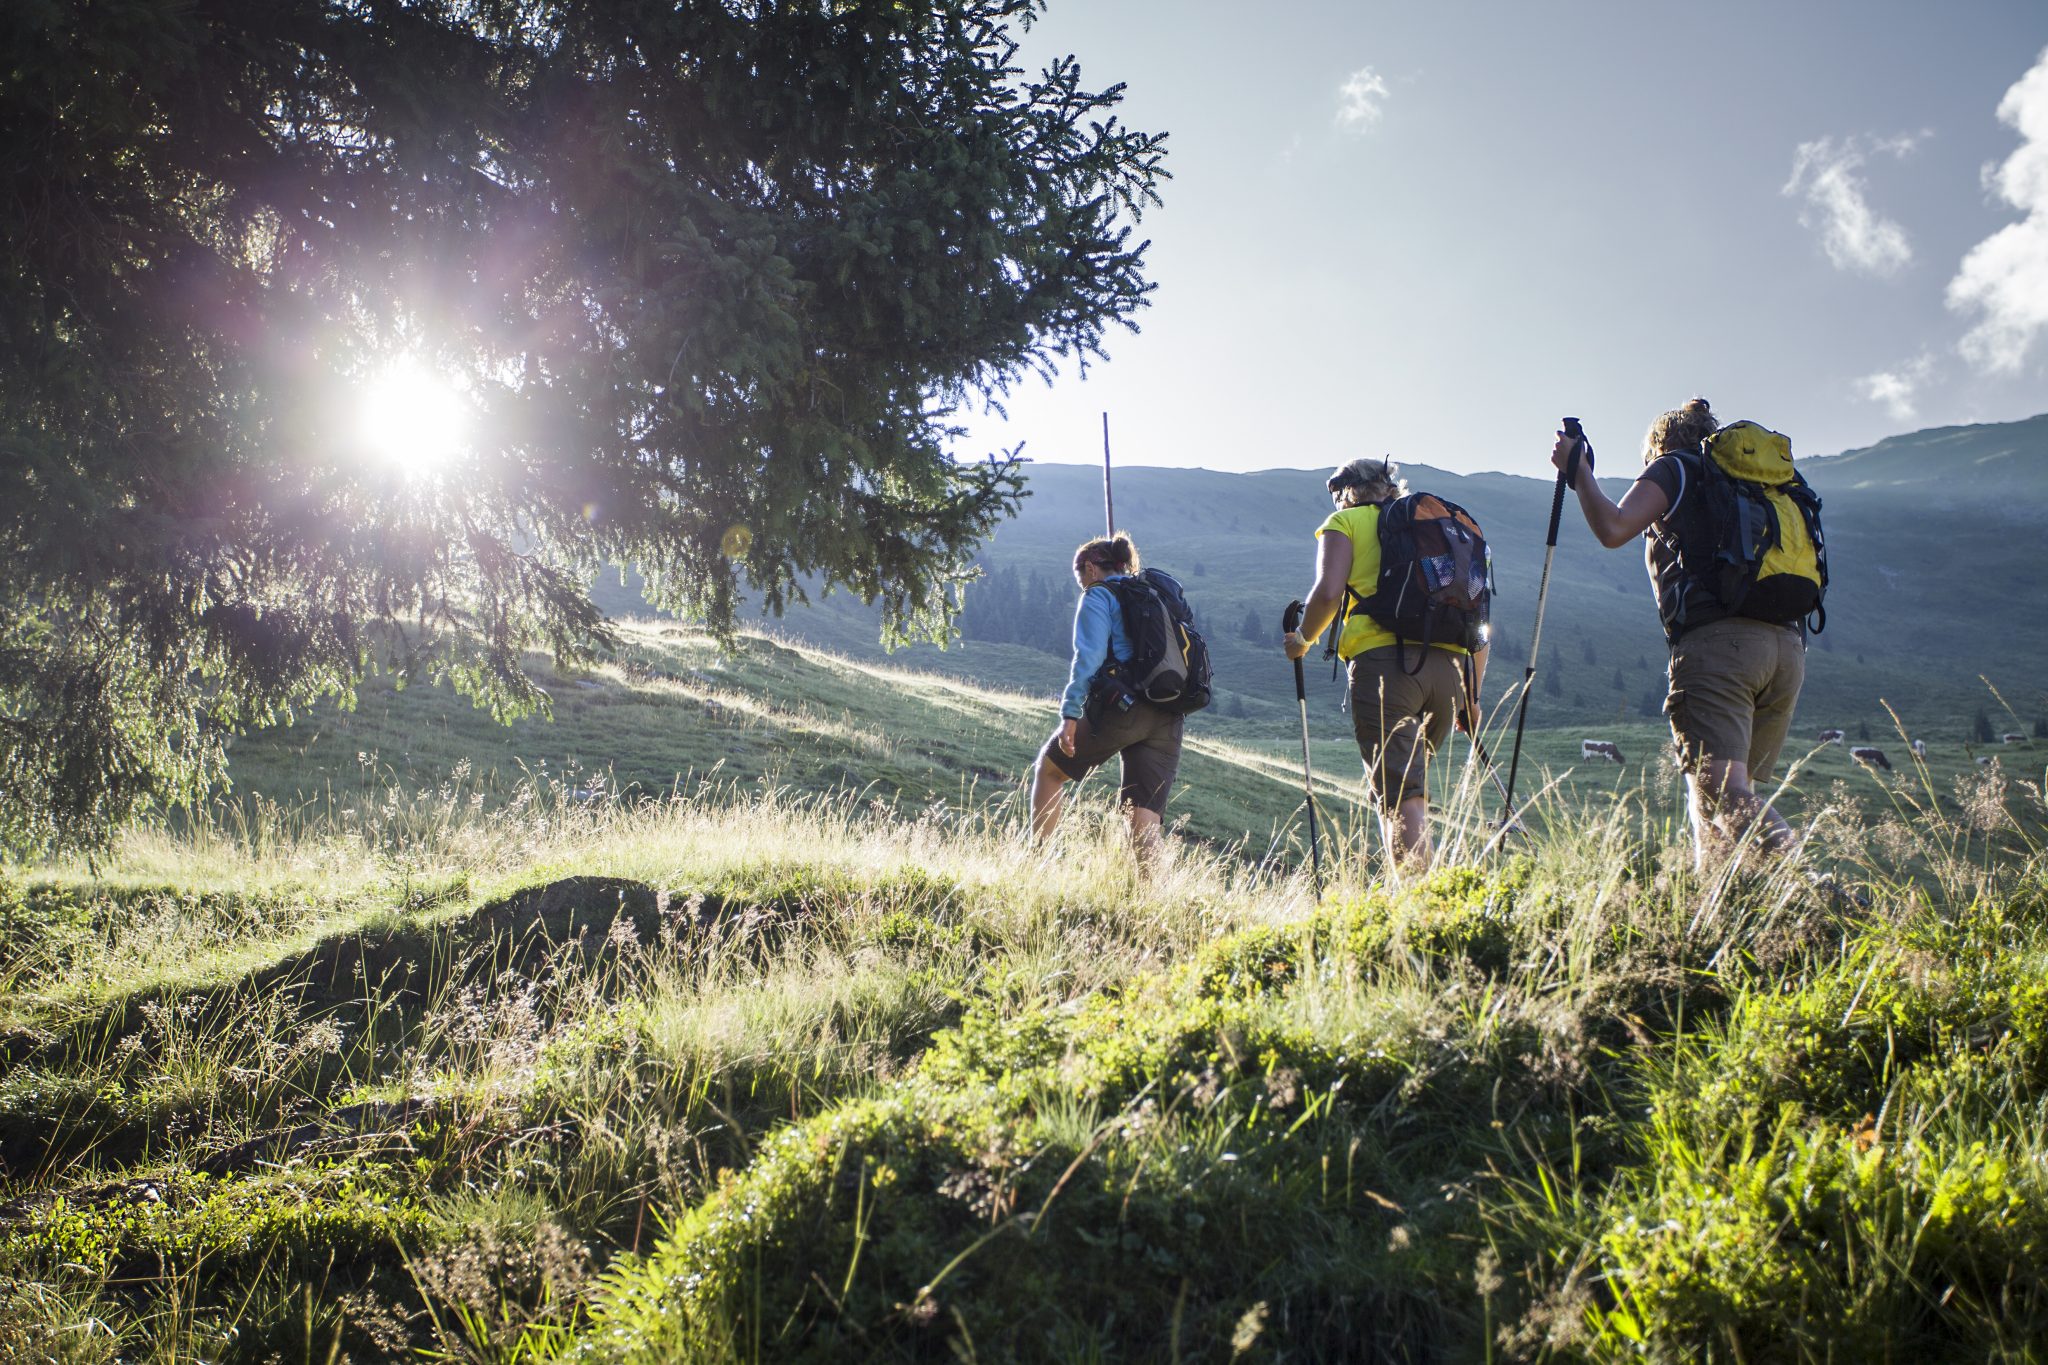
1333	567
1613	524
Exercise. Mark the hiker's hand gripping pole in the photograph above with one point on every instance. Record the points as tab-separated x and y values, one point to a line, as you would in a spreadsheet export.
1567	477
1290	621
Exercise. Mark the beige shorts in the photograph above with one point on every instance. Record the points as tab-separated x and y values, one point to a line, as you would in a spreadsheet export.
1400	719
1734	683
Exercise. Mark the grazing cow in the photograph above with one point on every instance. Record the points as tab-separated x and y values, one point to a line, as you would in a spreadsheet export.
1871	758
2014	738
1831	736
1600	748
1919	748
1986	760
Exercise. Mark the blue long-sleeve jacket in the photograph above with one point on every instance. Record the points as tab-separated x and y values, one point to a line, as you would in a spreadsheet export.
1098	637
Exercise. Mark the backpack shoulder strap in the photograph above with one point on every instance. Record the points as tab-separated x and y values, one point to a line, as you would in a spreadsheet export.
1118	592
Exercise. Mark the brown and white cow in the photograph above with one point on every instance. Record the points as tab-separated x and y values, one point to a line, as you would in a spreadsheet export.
2013	738
1871	758
1600	748
1831	736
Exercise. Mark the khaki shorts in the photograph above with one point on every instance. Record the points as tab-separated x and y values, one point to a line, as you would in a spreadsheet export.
1148	740
1733	686
1401	719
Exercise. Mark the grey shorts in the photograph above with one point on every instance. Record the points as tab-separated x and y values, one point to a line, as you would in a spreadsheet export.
1401	718
1147	738
1734	683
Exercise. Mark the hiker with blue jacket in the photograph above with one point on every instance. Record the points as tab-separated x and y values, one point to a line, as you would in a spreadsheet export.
1735	615
1100	719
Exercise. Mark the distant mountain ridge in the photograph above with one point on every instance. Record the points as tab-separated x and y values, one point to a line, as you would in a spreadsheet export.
2002	465
1927	592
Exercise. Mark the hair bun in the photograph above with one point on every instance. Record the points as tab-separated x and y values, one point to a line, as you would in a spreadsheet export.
1699	405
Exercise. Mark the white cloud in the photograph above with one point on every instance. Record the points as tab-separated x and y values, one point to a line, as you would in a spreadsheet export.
2005	276
1361	100
1828	175
1896	389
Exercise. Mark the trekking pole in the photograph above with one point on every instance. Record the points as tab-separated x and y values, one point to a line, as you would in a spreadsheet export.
1472	732
1108	507
1486	760
1566	478
1290	620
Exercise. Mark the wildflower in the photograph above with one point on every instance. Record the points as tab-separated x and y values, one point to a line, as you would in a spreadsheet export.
1982	797
1246	1334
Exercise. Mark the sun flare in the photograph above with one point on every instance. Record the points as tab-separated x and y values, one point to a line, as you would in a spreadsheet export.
413	418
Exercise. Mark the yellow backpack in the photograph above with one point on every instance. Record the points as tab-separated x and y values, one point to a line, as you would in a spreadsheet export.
1754	545
1757	455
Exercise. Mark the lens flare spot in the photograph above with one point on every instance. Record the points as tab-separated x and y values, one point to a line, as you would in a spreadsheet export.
412	418
738	540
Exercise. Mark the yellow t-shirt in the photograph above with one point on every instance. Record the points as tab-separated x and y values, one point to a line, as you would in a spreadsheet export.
1361	526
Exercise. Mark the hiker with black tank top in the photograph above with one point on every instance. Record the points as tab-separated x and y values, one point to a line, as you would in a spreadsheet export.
1735	670
1097	721
1406	692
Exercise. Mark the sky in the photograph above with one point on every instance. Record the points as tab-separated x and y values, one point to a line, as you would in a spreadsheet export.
1432	228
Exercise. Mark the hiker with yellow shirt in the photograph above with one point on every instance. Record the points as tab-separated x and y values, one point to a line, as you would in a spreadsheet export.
1413	632
1739	567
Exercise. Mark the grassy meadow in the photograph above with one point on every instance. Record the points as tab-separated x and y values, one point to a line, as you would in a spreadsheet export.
669	712
806	1055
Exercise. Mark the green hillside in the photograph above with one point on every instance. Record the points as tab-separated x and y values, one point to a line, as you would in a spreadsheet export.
754	1075
428	1047
1999	466
1936	566
671	712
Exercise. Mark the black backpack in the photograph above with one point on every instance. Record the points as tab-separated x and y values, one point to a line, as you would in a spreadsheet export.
1169	663
1436	575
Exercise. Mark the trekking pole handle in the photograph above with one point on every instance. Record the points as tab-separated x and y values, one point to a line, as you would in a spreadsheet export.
1568	477
1290	621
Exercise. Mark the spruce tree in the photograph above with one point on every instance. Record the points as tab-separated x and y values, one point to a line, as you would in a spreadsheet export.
708	280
